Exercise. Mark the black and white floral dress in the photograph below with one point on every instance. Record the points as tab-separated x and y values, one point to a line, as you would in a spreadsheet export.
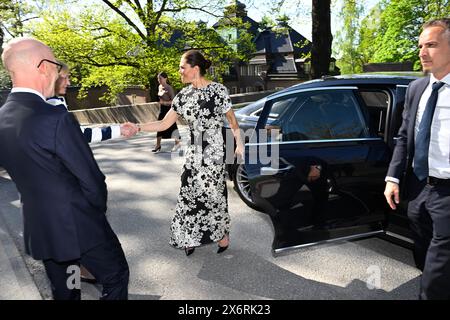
201	214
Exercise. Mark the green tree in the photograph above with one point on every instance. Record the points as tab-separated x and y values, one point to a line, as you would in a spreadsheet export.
131	46
367	33
394	35
347	39
14	14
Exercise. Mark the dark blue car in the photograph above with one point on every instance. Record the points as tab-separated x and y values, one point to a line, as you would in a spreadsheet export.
318	156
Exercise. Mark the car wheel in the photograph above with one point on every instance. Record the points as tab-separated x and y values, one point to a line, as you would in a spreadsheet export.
242	186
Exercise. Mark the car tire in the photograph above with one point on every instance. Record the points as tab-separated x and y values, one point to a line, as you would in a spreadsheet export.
242	186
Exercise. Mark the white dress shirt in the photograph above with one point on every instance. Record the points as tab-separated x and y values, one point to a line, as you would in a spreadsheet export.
439	151
28	90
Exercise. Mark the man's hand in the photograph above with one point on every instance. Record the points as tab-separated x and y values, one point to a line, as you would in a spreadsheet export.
128	129
392	194
314	173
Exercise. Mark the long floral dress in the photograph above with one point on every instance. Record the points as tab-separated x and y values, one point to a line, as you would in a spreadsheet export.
201	214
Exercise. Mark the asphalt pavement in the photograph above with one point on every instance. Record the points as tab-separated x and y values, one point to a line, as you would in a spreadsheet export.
143	188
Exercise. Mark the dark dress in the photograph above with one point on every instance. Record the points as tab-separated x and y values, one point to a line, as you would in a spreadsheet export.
166	93
201	214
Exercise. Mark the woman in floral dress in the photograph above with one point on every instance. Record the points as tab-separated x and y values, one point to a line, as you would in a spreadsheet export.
201	214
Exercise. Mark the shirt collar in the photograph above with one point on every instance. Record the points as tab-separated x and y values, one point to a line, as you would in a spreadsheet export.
445	79
28	90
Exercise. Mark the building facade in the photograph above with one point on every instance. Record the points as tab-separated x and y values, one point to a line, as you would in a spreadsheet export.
281	58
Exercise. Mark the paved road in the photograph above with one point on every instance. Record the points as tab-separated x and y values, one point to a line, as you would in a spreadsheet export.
143	188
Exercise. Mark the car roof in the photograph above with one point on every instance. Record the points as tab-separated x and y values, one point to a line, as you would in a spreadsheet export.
393	78
387	78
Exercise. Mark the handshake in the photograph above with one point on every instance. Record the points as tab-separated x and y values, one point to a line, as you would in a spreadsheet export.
128	129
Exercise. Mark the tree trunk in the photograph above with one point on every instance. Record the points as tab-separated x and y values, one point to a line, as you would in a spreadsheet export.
321	38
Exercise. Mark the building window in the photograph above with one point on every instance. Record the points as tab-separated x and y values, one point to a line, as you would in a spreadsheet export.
250	70
212	71
243	70
307	68
259	70
332	66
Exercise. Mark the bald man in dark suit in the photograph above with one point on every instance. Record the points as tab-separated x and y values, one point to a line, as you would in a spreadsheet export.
62	189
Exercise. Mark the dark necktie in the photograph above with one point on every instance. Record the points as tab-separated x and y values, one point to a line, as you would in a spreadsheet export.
422	142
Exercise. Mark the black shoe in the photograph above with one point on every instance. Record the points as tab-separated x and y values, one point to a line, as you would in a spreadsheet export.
189	251
221	249
156	149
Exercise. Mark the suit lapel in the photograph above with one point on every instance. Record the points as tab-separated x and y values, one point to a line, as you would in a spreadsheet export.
416	93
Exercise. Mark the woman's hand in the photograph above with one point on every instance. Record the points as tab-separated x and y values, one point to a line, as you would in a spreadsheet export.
239	152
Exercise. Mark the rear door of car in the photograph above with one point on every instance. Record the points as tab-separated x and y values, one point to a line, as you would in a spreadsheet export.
316	167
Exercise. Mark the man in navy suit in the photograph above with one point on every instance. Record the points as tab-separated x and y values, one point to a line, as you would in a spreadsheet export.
62	189
421	161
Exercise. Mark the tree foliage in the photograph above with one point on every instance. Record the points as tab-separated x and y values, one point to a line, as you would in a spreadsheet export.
14	14
347	38
128	42
390	32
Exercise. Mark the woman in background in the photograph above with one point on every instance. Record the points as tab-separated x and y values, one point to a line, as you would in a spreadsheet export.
166	95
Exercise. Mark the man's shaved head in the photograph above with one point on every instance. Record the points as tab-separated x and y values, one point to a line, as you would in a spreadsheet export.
21	57
23	53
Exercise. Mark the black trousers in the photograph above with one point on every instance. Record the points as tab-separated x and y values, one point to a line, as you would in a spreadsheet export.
106	262
429	214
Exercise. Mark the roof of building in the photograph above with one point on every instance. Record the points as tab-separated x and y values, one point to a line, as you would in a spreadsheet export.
285	41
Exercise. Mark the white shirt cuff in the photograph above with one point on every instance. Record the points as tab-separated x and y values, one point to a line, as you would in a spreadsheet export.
115	131
392	179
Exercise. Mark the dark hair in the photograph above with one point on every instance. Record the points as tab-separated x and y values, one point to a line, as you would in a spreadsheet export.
195	58
163	75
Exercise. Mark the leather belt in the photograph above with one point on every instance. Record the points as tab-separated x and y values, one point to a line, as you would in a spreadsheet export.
437	181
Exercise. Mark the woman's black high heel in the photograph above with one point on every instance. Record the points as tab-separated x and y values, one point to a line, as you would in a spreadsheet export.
156	149
221	249
189	251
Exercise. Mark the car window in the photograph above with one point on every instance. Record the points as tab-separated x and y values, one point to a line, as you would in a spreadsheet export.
257	113
376	103
251	108
278	107
323	115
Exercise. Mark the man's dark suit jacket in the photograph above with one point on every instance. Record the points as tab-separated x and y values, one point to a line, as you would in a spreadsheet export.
63	191
402	159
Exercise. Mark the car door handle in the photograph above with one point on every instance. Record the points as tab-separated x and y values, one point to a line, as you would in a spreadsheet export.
267	171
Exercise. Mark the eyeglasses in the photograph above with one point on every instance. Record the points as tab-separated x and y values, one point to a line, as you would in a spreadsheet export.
58	65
